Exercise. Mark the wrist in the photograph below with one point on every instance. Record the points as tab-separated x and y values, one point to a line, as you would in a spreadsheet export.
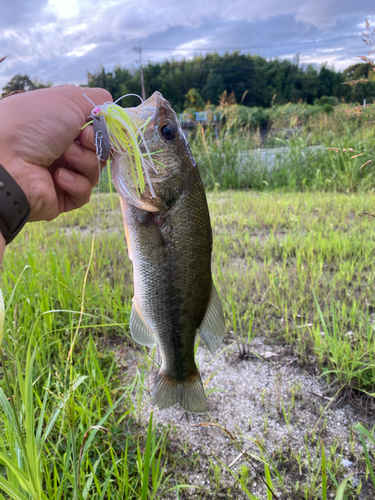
14	206
14	160
30	178
15	169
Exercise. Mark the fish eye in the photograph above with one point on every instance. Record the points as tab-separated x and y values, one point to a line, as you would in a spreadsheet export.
168	132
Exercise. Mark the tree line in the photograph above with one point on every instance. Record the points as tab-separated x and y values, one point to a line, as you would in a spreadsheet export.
249	79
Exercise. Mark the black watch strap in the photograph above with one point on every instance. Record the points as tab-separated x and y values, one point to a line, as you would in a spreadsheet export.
14	206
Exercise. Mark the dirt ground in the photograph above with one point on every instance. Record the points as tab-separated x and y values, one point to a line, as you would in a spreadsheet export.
274	255
266	397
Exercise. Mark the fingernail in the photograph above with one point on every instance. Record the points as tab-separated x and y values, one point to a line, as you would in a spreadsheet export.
90	135
66	176
74	150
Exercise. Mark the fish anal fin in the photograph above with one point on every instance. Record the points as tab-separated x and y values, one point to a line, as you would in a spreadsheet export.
189	394
138	328
212	328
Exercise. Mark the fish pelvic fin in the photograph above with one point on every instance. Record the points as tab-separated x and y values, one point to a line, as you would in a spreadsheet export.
212	328
190	393
138	328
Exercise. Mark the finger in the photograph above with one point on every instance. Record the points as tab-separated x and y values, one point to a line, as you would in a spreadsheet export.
76	187
87	139
96	95
85	98
84	161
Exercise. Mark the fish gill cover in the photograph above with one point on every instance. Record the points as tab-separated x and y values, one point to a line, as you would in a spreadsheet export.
119	131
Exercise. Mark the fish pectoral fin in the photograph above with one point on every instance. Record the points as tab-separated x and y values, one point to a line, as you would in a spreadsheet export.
128	243
212	328
124	208
139	330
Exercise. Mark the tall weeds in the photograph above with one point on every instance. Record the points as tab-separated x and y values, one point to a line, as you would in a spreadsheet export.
325	154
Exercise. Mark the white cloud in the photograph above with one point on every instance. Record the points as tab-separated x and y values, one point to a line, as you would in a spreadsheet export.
60	39
362	25
185	48
319	13
65	9
336	49
331	60
81	51
78	28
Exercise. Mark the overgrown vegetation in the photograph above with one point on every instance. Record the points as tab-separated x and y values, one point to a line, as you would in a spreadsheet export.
78	411
69	416
312	152
295	268
326	153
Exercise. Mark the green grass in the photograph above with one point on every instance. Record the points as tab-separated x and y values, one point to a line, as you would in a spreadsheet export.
306	261
228	162
231	160
296	268
71	427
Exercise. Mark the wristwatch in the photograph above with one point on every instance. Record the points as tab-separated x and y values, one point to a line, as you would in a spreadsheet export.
14	206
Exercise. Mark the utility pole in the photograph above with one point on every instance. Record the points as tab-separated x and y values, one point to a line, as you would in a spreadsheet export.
139	50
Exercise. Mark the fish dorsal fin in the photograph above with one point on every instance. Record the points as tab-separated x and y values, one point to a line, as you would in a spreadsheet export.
212	328
139	330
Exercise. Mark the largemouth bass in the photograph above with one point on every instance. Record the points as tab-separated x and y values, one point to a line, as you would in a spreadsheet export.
169	241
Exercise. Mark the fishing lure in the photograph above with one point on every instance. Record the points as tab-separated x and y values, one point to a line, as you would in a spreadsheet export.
119	133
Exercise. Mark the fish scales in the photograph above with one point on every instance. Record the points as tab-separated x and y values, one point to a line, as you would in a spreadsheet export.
170	243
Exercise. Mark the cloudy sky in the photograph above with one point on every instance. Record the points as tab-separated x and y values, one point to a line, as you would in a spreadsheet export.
59	40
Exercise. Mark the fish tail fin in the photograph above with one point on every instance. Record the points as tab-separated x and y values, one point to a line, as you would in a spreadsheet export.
190	393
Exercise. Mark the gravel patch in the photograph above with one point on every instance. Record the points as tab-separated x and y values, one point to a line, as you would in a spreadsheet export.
269	399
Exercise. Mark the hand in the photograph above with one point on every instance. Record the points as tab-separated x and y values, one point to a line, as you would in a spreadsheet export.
43	148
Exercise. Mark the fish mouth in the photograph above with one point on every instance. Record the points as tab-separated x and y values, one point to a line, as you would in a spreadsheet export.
148	109
146	116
